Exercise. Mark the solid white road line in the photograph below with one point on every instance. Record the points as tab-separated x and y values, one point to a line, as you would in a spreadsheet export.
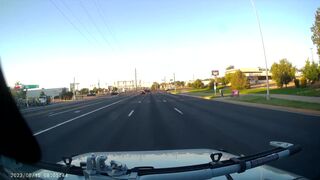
77	111
75	118
164	100
61	112
139	101
178	111
53	114
130	113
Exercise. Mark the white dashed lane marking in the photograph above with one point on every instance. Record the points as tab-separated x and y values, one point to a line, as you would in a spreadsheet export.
130	113
180	112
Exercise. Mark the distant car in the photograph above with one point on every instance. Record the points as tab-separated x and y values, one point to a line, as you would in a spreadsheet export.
147	90
91	94
43	100
114	93
142	92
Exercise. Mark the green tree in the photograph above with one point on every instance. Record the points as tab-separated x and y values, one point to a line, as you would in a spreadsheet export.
42	93
315	29
66	95
311	71
211	83
198	84
95	90
303	82
297	83
114	89
283	72
84	91
155	86
222	80
18	93
180	83
239	80
230	67
228	77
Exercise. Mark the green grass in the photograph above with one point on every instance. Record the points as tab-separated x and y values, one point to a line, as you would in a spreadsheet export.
295	91
279	102
252	91
205	92
288	91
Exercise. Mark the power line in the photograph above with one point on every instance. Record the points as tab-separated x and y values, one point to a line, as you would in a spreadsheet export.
70	22
79	21
101	14
93	22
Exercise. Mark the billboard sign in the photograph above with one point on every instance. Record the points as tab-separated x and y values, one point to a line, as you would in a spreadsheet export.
215	72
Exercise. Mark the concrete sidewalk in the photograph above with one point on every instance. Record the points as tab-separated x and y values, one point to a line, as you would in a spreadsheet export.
272	107
310	99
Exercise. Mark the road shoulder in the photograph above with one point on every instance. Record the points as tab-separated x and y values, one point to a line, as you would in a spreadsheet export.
263	106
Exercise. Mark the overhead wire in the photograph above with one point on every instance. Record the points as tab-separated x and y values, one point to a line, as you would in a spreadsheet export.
102	16
95	25
68	20
78	20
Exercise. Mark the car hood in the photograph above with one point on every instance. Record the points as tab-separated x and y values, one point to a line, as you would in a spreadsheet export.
174	158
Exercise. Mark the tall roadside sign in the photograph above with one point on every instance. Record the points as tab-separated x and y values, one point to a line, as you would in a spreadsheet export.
26	87
215	73
32	86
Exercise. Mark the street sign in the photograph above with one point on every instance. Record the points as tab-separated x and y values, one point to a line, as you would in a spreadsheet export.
33	86
18	87
215	72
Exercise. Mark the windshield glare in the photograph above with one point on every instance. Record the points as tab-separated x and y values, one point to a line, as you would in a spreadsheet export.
166	83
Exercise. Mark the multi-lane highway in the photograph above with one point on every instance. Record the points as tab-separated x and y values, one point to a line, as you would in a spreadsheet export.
158	121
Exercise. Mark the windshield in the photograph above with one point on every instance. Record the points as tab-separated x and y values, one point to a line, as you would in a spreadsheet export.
114	76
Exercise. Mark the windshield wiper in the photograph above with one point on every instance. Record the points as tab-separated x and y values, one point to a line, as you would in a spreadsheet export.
223	168
96	168
62	168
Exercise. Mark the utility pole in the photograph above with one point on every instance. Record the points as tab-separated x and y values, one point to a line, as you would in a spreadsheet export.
264	51
174	82
135	77
74	88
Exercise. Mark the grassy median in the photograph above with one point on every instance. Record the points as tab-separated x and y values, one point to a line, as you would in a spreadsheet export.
227	91
278	102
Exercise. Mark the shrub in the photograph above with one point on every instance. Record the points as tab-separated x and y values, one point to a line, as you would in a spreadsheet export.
310	71
282	72
239	81
198	84
211	84
297	83
303	82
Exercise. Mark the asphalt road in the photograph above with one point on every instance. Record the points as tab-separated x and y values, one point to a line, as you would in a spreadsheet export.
160	121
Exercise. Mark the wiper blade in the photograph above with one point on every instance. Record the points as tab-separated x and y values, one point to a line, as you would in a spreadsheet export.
96	167
61	168
226	167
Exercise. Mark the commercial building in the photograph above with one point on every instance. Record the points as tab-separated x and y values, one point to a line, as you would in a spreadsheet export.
48	92
255	75
124	86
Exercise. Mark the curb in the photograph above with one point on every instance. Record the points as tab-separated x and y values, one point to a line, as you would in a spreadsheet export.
262	106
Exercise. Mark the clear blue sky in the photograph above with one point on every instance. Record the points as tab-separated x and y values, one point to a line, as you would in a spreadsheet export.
48	42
